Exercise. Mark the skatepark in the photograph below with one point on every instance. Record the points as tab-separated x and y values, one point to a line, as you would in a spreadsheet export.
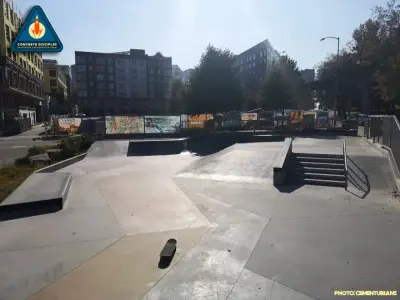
238	236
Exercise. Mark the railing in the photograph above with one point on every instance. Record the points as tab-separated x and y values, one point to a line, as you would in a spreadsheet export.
386	131
345	160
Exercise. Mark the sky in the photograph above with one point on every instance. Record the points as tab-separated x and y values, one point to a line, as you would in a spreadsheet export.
182	29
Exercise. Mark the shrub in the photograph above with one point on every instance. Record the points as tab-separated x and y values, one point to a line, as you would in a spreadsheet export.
71	145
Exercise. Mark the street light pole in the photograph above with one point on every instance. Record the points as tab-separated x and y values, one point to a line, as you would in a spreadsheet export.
337	75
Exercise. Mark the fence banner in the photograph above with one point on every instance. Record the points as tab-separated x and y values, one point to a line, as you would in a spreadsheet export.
124	124
296	117
162	124
88	125
322	119
67	125
249	116
198	121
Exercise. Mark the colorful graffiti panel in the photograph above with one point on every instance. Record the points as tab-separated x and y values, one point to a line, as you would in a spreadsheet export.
124	124
67	125
162	124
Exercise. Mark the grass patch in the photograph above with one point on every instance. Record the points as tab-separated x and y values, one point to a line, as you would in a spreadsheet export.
11	176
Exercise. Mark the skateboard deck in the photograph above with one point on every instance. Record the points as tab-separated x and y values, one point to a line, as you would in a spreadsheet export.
169	248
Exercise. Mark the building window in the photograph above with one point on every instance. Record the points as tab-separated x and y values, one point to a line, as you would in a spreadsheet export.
81	86
111	69
8	35
80	60
99	69
80	76
81	69
53	82
110	61
101	85
82	93
100	77
110	77
52	73
91	84
99	61
111	85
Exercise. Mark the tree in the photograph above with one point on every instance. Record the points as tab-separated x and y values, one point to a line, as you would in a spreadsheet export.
214	85
284	87
178	90
274	91
369	69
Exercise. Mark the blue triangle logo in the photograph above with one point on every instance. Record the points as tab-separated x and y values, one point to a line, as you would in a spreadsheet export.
37	34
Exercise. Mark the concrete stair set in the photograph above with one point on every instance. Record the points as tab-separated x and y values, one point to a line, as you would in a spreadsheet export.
317	169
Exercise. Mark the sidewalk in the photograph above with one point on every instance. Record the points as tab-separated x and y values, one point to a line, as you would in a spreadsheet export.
35	131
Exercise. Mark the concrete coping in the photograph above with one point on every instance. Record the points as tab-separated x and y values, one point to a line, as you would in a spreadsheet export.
284	154
62	164
282	162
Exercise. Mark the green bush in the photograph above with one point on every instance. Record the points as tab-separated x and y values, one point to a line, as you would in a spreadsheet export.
71	145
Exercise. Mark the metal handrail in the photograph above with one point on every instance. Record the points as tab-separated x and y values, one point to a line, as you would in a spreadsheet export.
345	160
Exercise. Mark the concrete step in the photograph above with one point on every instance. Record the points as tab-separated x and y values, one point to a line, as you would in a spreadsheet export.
318	155
319	164
300	168
322	182
320	158
318	176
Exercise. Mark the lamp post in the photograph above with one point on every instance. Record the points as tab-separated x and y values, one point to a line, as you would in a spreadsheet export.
337	75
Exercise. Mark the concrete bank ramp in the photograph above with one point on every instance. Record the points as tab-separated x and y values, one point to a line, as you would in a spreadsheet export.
144	147
40	193
250	162
108	148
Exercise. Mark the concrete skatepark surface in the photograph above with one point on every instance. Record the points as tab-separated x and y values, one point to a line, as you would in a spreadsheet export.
239	237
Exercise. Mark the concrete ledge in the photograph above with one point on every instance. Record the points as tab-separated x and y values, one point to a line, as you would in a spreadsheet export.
62	164
40	193
392	161
282	162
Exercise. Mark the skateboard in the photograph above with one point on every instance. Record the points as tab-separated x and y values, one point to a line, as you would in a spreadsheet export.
169	248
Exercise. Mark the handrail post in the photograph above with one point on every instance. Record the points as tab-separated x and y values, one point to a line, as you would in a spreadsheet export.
345	162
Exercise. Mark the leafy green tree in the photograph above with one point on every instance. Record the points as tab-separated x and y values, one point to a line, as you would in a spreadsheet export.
284	87
214	85
274	91
177	104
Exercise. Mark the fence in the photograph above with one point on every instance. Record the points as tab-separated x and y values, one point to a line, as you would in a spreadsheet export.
386	131
176	124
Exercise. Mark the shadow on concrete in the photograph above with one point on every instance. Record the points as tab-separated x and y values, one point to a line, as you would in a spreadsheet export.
200	145
357	178
289	188
8	215
165	261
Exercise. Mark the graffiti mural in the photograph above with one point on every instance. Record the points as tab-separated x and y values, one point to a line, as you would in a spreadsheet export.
67	125
198	121
124	124
162	124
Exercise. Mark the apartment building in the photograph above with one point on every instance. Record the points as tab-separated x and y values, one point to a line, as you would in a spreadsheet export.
21	75
122	82
66	70
253	65
56	86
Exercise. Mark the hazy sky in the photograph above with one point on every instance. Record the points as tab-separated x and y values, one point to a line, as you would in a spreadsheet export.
182	29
